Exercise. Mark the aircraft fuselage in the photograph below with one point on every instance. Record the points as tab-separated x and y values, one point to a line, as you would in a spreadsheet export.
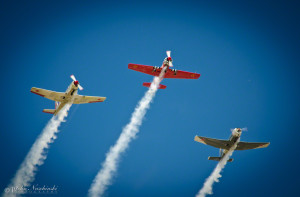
235	136
70	92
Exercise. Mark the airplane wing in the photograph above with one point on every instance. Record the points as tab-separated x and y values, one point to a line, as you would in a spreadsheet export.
251	145
80	99
150	70
144	69
179	74
223	144
55	96
226	144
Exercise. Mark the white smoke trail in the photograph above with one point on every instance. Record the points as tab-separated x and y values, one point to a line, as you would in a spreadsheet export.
104	176
36	156
216	174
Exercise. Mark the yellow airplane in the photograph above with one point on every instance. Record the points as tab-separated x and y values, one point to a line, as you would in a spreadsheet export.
62	98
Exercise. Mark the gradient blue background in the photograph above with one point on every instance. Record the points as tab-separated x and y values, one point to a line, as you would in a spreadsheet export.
248	57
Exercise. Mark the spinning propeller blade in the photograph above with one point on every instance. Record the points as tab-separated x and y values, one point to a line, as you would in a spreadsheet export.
169	55
74	79
80	87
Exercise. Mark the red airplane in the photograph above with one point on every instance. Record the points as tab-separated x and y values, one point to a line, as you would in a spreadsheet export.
169	73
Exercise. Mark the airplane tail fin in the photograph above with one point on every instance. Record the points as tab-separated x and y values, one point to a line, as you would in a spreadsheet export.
218	159
159	87
49	111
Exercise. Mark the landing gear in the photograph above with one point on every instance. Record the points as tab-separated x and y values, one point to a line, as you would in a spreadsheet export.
175	71
155	68
72	92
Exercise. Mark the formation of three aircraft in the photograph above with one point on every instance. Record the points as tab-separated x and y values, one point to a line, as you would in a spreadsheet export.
62	98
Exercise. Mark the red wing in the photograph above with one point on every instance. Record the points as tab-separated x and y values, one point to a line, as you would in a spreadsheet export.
178	74
169	74
144	69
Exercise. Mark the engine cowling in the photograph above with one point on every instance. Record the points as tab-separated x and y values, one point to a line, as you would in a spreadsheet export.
76	83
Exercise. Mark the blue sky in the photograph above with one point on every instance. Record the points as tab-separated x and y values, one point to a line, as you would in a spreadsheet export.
247	54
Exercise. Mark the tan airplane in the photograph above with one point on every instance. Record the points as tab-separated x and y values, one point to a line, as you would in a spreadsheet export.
62	98
225	145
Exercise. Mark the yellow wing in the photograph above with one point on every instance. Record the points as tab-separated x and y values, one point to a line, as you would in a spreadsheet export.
80	99
55	96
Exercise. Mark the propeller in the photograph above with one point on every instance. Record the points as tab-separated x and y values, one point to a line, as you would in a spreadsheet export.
245	129
233	131
169	57
76	82
169	53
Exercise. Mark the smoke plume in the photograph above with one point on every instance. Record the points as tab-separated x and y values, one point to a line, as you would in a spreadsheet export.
36	156
129	132
216	174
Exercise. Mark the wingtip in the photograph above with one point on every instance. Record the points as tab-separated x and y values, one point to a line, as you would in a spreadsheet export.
195	137
131	66
199	139
100	99
35	91
266	145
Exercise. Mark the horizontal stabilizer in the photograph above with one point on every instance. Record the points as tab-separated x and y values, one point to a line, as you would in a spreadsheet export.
218	159
159	87
49	111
